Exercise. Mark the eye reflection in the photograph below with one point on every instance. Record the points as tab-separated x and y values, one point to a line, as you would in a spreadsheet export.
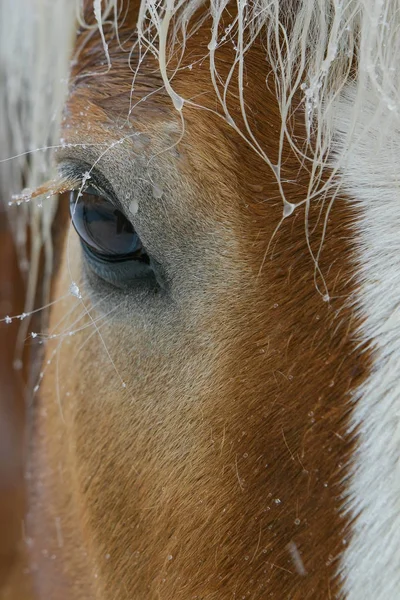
103	229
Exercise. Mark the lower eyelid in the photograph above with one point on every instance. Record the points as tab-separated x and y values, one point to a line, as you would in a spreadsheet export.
123	274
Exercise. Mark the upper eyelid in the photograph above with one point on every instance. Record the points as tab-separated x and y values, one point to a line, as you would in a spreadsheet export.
77	171
74	169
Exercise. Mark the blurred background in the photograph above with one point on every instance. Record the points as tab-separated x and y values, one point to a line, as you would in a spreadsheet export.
12	407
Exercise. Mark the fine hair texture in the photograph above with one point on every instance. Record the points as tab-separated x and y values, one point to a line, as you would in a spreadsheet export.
316	52
314	48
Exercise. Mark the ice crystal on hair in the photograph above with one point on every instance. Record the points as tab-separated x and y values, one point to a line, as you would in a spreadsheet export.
74	290
85	177
288	208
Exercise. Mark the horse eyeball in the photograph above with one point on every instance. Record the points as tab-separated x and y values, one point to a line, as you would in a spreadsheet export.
103	228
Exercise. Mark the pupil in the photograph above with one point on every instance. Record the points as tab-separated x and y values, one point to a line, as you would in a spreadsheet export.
104	228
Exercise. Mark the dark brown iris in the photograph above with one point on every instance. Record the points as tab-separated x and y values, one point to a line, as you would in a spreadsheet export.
104	229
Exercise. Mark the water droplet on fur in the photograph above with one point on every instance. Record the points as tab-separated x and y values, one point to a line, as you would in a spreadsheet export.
134	207
157	191
170	557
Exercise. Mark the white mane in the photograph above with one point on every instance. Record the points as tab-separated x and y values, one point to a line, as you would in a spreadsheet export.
314	47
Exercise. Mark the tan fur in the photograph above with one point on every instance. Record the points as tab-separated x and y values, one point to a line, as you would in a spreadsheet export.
218	471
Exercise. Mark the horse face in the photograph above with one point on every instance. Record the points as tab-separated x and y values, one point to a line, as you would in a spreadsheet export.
182	440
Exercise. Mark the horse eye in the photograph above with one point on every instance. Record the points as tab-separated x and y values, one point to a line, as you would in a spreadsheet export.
103	229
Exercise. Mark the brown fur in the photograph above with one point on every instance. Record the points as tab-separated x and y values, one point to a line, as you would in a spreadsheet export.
224	458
